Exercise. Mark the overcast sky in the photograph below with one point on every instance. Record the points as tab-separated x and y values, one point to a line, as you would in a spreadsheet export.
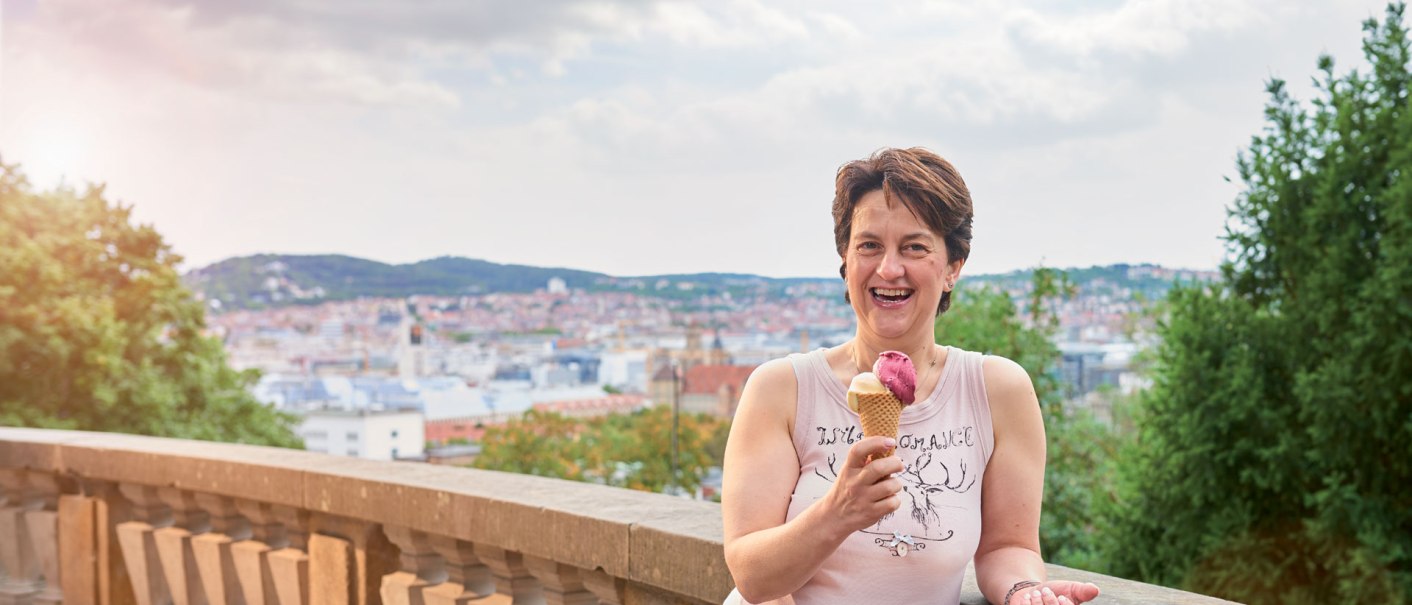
642	137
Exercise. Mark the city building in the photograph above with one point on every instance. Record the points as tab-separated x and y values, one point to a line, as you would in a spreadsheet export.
714	389
373	435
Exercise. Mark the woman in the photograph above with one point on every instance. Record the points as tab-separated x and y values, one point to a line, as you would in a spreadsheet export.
808	519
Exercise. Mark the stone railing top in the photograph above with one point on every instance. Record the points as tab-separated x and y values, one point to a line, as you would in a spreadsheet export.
662	541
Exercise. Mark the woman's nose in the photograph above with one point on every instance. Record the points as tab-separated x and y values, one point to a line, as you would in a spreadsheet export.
891	267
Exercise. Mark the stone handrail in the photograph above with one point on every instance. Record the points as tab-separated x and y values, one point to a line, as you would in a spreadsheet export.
116	519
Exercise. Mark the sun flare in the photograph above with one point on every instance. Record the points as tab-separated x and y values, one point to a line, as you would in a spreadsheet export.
53	154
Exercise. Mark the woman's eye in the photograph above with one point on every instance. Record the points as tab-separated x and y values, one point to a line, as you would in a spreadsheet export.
868	246
916	247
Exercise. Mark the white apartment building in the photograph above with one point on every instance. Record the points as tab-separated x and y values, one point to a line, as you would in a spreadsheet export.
375	435
626	370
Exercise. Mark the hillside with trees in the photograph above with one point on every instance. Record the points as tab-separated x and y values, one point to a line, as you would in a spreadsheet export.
272	280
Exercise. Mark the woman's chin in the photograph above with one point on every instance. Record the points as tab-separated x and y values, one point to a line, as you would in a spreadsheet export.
893	328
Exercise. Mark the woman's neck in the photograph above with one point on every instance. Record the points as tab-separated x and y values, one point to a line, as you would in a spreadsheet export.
865	352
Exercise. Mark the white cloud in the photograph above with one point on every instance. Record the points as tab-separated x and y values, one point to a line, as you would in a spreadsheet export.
648	136
1138	27
251	55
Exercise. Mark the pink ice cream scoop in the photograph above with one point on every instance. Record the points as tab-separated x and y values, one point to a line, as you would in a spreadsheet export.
895	370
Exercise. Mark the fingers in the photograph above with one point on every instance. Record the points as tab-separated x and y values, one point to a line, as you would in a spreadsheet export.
886	505
868	446
1044	596
1059	593
891	486
880	469
1074	592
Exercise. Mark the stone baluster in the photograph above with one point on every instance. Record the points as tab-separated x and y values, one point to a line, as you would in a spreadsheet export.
421	567
139	545
467	578
512	578
289	566
174	545
347	560
608	589
562	584
43	525
91	525
252	564
215	562
21	575
78	545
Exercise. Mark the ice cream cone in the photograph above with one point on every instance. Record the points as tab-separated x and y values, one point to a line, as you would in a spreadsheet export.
880	414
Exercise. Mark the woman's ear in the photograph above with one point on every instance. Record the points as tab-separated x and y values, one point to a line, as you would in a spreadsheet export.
954	273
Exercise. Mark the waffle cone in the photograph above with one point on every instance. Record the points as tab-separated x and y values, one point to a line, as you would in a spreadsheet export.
880	414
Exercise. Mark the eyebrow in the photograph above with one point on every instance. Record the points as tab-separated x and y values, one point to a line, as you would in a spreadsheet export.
910	236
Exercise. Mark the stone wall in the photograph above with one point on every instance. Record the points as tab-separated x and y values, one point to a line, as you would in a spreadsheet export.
104	518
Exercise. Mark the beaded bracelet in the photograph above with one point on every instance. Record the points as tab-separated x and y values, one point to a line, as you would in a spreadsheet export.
1017	588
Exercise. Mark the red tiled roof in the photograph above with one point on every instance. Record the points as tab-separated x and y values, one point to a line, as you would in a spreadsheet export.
607	402
708	379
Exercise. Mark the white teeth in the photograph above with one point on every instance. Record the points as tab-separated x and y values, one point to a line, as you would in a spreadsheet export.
886	292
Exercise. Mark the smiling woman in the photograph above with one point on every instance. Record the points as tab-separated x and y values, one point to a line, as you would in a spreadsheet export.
813	520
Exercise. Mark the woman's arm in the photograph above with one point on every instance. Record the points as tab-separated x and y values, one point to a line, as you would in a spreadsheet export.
1012	492
767	557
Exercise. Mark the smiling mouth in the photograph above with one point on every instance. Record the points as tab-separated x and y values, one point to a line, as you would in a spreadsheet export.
889	295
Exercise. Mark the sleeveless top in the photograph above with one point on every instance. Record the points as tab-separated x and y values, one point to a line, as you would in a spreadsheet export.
919	553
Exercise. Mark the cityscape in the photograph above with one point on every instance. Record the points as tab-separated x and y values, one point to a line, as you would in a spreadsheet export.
442	303
421	377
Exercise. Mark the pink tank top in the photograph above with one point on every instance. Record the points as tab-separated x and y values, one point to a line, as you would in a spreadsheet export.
918	554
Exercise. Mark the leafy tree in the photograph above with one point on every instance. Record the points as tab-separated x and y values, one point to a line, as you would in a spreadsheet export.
1081	449
1274	461
98	333
537	443
623	450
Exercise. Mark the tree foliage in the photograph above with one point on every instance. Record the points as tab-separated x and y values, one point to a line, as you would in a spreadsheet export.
97	332
622	450
1274	462
1080	448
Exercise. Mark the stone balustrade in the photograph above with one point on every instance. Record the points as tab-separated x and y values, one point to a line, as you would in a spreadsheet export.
101	518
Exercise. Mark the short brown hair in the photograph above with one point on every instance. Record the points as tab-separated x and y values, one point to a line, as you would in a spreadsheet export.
929	186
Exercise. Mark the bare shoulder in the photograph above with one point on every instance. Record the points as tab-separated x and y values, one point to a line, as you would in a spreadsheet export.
770	390
773	373
1009	388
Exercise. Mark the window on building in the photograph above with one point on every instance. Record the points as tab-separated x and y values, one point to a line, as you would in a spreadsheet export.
394	433
353	452
352	435
394	450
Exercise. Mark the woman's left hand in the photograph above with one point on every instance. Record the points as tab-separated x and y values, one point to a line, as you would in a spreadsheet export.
1056	592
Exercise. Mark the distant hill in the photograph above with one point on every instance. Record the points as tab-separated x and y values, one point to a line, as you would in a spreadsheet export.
282	279
278	279
1122	280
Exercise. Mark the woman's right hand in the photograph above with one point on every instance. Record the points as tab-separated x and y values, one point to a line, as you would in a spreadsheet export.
866	491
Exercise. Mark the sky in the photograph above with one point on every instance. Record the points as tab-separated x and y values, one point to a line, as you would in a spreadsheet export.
642	137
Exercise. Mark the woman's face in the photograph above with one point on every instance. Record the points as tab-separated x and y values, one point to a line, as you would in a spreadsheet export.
897	269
